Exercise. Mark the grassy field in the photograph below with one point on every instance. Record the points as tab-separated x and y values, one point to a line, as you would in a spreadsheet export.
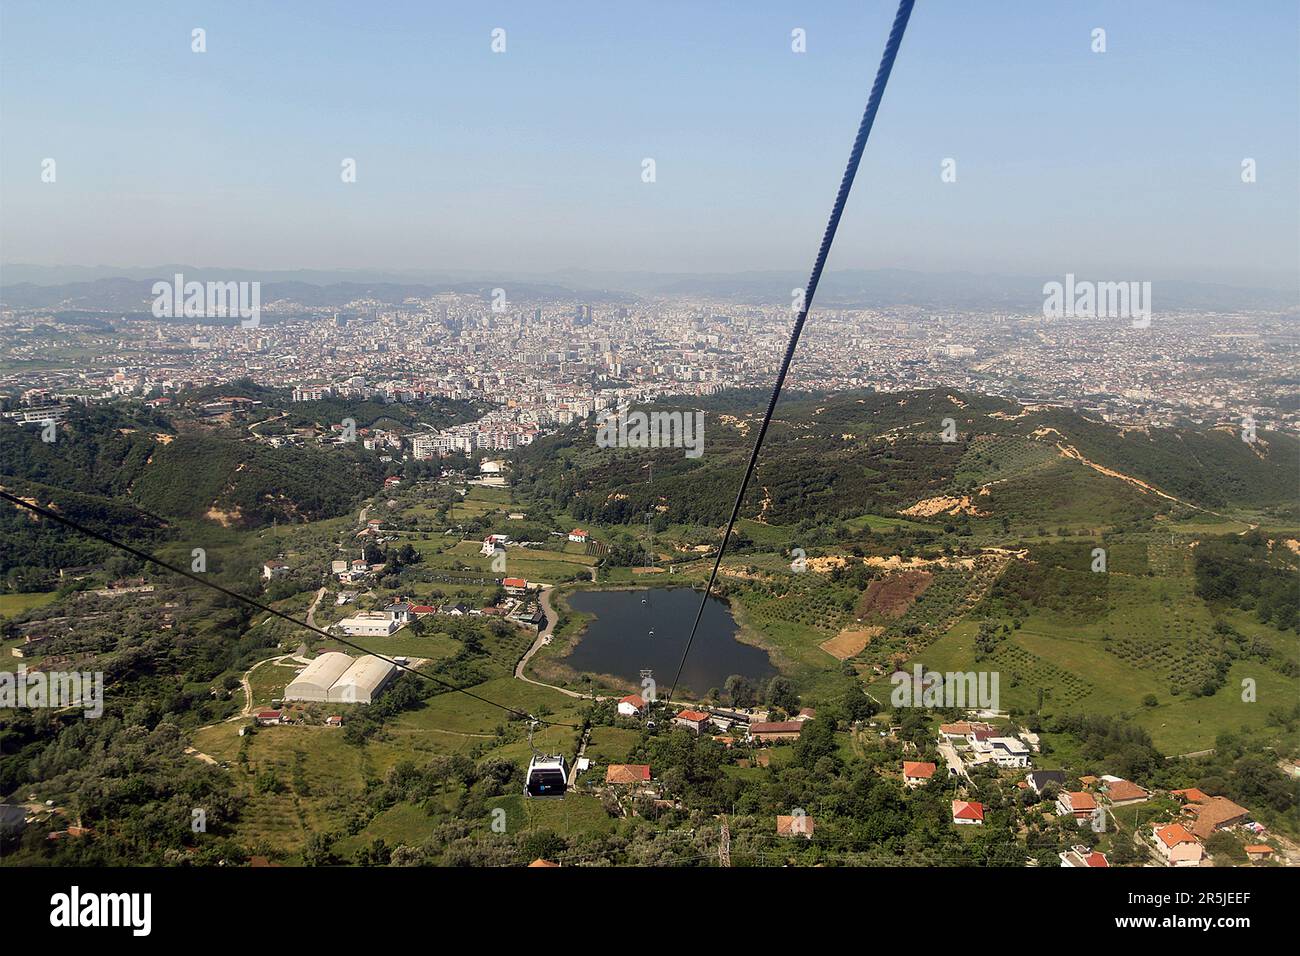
11	604
1153	638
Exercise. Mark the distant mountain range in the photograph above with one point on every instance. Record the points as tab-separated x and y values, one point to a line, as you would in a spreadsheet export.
129	289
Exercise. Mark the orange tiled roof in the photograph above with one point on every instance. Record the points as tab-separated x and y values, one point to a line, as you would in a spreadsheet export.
1080	800
1174	834
921	769
1125	790
627	773
1214	813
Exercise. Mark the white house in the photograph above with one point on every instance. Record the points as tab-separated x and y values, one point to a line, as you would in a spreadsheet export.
631	706
274	569
1003	751
578	536
916	773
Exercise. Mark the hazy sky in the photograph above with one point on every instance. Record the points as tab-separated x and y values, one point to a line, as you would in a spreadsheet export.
1123	164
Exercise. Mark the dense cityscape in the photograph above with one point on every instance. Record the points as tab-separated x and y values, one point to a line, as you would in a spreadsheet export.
544	365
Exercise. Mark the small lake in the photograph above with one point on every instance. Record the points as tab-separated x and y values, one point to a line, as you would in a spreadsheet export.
619	641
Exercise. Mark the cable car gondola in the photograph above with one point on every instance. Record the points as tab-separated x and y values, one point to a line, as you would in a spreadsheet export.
548	776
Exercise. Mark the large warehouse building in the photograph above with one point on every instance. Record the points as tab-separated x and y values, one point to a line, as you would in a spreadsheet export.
338	678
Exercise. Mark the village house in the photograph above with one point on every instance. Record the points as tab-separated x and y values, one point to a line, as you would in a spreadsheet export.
1002	751
1176	846
966	812
401	612
769	731
494	543
631	706
266	718
916	773
627	774
514	585
1123	793
694	720
274	569
578	536
1078	804
1081	856
963	729
798	824
1259	852
1215	813
1039	780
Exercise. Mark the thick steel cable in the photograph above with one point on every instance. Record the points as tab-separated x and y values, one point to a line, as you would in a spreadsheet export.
846	183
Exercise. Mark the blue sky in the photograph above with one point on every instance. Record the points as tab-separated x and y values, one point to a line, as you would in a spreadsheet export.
1124	164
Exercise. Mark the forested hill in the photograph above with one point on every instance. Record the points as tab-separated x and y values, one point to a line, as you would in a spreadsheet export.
137	457
837	456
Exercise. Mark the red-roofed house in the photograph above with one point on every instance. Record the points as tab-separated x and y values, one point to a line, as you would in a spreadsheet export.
1121	793
1081	856
695	720
631	706
1080	805
964	811
1259	851
1216	813
514	585
917	773
578	536
265	717
627	774
1190	795
1176	846
775	730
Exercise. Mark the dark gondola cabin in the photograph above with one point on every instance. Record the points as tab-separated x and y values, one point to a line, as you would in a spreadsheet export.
547	777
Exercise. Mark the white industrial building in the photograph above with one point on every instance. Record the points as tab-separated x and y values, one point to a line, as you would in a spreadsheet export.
370	624
362	682
318	677
340	679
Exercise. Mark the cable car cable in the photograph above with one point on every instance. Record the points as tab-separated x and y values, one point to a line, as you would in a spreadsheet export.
846	183
146	556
